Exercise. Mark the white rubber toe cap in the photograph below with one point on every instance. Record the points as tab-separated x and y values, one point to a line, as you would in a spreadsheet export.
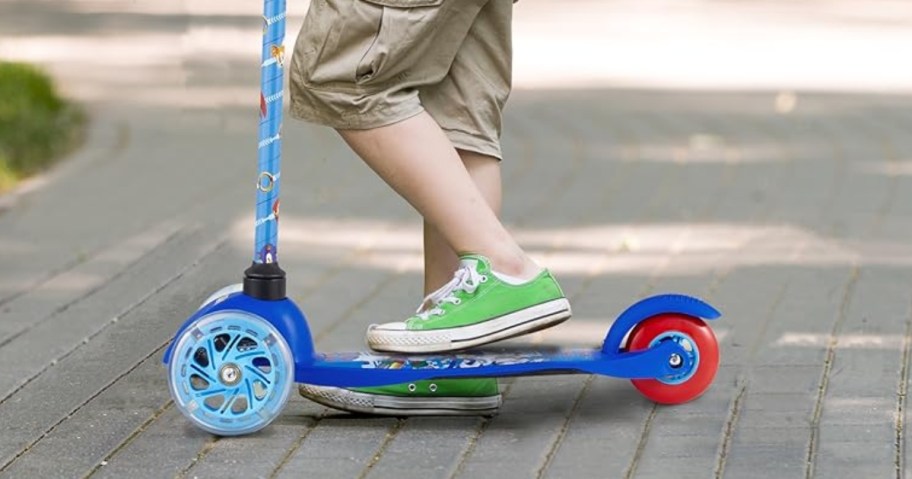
395	326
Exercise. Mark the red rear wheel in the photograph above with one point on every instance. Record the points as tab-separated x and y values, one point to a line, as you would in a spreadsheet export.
697	339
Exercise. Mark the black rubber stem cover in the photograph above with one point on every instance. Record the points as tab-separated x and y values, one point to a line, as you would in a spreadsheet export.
265	281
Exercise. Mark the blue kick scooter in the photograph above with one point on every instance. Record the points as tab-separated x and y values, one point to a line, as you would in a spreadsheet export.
233	364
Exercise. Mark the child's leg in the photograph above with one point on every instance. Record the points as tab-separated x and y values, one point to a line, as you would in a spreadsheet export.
407	84
417	160
440	261
347	57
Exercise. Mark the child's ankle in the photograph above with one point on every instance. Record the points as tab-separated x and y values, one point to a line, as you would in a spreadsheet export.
522	268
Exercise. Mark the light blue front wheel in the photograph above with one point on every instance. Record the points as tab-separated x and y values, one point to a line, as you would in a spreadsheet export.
231	373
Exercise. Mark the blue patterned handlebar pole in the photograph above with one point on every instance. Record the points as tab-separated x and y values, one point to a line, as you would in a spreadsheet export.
270	135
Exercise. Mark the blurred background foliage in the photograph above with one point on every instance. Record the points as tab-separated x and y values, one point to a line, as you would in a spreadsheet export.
37	126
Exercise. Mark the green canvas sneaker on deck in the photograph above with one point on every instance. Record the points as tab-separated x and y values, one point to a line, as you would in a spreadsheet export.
443	397
478	306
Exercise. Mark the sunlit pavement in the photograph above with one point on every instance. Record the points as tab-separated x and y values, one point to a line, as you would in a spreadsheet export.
755	153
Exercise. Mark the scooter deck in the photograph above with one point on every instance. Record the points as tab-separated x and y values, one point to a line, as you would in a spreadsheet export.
370	369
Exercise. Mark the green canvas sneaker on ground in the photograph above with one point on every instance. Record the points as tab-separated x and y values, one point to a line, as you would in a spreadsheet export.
443	397
478	306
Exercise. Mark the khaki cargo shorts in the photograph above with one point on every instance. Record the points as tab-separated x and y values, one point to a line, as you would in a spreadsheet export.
362	64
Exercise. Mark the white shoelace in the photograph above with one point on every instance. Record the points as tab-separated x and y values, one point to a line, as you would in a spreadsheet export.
465	279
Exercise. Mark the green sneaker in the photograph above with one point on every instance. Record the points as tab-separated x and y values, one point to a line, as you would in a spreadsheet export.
478	306
443	397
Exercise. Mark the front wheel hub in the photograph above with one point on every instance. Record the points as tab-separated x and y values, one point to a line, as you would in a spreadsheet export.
230	374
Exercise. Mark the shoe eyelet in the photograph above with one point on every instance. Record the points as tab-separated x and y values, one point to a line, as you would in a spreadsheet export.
457	301
412	388
433	388
484	278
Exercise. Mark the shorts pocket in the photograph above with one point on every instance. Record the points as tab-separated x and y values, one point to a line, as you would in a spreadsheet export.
332	41
405	3
406	29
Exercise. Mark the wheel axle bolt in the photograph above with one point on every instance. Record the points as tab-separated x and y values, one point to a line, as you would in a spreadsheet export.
230	374
675	361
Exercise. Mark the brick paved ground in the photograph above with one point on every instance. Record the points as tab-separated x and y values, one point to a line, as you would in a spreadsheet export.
791	212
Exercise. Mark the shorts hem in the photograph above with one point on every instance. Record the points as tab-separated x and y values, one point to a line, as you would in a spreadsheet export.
476	144
355	120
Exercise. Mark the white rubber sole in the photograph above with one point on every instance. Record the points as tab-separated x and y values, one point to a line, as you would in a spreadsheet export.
521	322
357	402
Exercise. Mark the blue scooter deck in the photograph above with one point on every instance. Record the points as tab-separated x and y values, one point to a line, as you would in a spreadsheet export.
370	369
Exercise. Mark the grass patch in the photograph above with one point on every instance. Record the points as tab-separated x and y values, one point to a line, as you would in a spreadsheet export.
37	126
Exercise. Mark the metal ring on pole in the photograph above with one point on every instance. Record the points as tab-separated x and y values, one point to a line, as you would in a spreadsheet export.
270	184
